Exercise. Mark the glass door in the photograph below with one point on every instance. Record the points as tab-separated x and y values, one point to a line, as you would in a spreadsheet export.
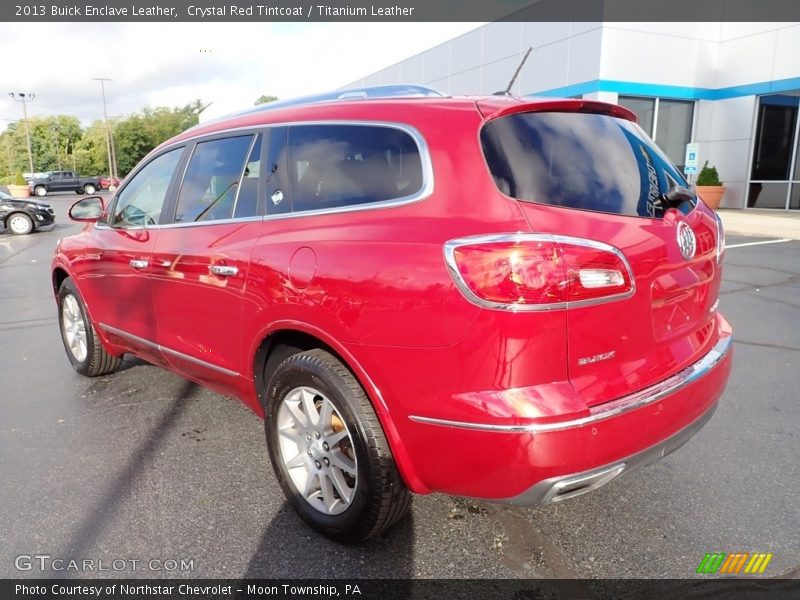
775	173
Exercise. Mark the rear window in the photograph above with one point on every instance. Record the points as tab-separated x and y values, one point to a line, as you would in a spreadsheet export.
333	166
580	160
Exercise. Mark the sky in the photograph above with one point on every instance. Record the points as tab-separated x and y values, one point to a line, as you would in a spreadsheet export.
172	64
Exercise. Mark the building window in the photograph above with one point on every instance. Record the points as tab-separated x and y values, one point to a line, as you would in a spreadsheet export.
775	173
668	122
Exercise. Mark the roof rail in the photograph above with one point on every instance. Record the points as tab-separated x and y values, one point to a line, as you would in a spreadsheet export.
371	92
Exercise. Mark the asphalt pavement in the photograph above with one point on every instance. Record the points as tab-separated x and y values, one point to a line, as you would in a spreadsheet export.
144	466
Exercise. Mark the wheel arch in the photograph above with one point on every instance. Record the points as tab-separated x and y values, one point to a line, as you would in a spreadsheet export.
58	276
285	339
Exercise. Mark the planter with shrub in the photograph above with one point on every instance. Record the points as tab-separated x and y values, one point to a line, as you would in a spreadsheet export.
19	187
709	187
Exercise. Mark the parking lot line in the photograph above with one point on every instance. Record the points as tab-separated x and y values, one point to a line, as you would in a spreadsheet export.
780	241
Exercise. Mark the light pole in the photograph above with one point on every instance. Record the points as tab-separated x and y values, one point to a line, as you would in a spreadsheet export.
56	129
25	98
112	157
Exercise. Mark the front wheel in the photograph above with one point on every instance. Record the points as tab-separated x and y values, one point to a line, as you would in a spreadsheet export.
20	224
84	350
329	452
40	190
89	189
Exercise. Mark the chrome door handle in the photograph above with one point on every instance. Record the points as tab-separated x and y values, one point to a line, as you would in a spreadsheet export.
138	264
223	270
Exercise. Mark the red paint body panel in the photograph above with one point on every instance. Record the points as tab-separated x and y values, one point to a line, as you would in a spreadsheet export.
374	286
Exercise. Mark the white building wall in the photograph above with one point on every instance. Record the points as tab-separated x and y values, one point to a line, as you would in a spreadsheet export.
695	61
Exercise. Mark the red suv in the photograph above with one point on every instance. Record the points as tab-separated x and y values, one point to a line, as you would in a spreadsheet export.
512	299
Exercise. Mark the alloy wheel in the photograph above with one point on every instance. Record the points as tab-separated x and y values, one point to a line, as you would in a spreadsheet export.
74	327
317	450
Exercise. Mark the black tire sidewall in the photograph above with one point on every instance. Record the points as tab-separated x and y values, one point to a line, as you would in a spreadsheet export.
295	372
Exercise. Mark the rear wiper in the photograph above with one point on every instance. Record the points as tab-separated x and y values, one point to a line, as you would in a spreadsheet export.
676	196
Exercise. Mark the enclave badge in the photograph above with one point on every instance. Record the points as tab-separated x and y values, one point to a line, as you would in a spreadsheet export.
686	241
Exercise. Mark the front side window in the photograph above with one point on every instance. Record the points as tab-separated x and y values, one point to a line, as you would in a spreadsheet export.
580	160
332	166
211	183
141	201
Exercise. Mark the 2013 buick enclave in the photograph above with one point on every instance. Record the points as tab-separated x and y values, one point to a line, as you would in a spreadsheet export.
512	299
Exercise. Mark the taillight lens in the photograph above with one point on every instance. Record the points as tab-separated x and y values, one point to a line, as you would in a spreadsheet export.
535	271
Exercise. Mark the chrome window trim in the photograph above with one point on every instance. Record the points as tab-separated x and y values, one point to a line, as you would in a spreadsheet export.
620	406
175	353
426	165
449	256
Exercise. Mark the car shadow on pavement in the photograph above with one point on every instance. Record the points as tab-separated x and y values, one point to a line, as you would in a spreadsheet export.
289	549
120	489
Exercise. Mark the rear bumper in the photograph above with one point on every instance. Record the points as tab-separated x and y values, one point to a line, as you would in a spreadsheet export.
536	461
560	488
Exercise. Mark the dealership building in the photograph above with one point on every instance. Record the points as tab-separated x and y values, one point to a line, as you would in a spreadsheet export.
732	88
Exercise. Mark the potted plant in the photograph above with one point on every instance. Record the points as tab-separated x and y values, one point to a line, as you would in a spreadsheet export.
709	187
19	187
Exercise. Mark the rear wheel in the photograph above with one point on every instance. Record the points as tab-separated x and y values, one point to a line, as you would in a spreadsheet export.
89	189
329	451
20	224
84	350
40	190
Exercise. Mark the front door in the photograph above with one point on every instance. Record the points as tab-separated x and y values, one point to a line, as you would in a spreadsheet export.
115	271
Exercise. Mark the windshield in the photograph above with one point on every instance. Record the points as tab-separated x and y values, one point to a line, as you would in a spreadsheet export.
581	160
4	196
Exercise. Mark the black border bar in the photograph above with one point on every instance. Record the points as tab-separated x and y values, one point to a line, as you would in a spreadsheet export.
398	589
673	11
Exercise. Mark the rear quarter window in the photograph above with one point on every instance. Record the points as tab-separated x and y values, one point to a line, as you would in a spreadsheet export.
335	166
579	160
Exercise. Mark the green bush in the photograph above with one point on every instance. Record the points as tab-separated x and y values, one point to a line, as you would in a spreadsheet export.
708	176
19	179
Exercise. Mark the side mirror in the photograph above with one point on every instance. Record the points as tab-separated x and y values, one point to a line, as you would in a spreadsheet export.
87	210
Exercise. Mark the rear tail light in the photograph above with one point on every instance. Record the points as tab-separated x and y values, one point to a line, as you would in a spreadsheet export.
720	238
537	271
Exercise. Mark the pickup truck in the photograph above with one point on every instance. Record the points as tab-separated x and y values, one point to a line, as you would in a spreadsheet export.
64	181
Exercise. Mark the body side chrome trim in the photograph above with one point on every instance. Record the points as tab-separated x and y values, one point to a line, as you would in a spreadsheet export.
620	406
170	351
449	256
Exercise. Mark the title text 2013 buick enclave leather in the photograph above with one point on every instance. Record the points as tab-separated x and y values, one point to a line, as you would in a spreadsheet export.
501	298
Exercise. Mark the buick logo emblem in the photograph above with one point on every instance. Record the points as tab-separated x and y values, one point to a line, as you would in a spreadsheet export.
686	241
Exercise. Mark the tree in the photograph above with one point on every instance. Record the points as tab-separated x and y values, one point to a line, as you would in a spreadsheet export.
264	99
139	133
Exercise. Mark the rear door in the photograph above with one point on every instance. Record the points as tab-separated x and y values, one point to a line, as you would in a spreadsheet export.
597	177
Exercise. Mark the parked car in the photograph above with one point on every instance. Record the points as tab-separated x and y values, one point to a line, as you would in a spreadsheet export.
109	183
510	299
21	216
64	181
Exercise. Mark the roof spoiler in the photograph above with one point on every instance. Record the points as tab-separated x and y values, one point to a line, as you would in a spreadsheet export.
493	109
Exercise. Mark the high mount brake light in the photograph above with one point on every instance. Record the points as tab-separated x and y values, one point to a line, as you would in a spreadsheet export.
537	271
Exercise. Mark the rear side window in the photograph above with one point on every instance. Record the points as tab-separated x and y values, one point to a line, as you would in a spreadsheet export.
579	160
211	183
332	166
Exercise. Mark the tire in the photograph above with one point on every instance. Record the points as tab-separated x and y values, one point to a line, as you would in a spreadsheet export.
112	188
351	489
88	358
19	223
40	190
89	189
